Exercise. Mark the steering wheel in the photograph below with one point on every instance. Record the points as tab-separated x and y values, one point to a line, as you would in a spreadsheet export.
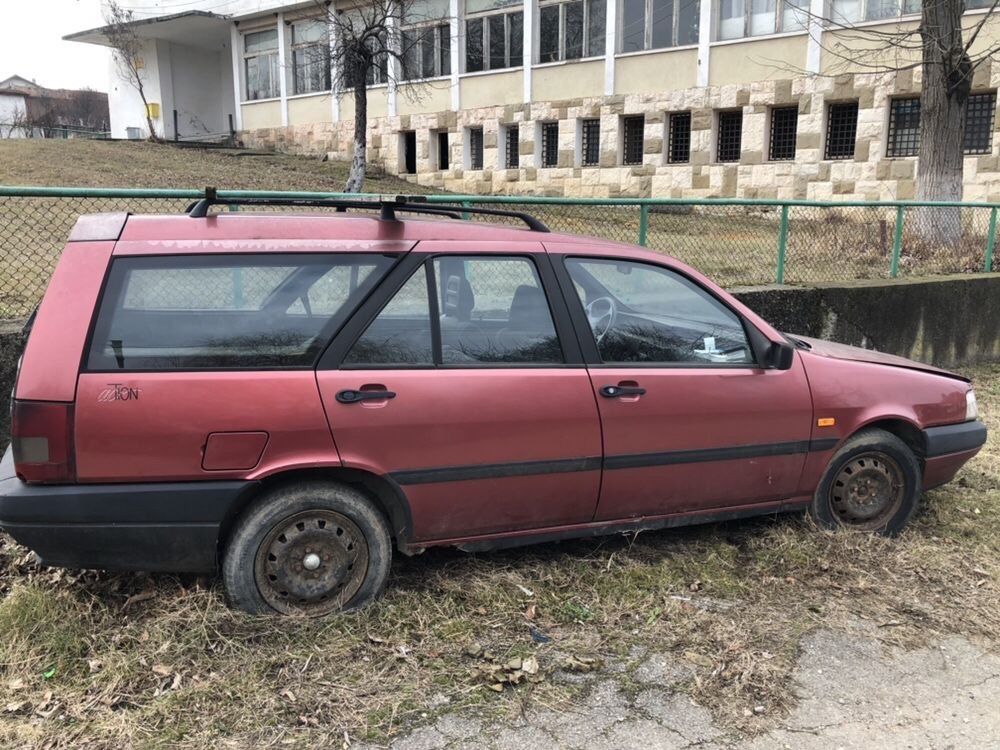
601	314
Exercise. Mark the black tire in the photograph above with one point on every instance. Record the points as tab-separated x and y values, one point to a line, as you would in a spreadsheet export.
851	493
267	562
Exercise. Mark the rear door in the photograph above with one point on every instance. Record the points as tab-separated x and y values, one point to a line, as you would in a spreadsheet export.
201	366
691	421
462	381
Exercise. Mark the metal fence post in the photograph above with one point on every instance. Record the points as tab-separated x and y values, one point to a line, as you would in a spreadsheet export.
465	214
897	243
643	223
991	241
779	273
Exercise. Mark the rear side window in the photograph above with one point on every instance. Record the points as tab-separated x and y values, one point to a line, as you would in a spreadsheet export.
227	312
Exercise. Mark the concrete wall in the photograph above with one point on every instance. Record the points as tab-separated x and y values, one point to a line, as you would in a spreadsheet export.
947	321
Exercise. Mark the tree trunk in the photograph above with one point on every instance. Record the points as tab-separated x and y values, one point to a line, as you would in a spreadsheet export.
356	177
947	80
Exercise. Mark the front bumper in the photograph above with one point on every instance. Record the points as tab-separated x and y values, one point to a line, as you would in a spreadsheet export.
948	448
169	526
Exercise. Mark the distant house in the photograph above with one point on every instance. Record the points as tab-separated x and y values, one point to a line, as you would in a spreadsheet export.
28	110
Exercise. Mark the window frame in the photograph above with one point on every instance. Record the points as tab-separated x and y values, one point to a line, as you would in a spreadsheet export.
719	115
583	142
414	262
585	42
893	148
543	149
296	47
780	6
484	15
830	107
114	288
771	132
247	56
830	21
647	38
756	339
992	95
441	29
506	131
470	155
626	157
668	142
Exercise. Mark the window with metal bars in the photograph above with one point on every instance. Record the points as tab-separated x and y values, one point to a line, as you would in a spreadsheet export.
784	126
550	144
679	138
730	135
904	127
979	116
633	130
511	147
841	130
475	148
590	142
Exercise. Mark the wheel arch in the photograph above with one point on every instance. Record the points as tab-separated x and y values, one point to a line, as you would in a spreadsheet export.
387	496
904	429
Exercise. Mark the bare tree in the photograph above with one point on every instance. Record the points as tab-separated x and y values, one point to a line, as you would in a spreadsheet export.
941	47
367	47
127	46
19	124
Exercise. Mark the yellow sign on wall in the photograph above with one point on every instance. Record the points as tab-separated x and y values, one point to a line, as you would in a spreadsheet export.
153	109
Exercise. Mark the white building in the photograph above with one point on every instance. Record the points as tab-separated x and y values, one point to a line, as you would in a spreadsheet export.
669	98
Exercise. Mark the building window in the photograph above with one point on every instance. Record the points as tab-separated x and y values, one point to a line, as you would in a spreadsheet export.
494	35
841	130
475	156
590	142
784	126
377	74
979	115
855	11
571	29
904	127
260	64
679	138
443	150
633	130
655	24
741	18
550	144
730	135
408	151
510	159
310	56
426	51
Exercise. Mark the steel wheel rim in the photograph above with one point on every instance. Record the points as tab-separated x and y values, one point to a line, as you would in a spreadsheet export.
867	491
311	563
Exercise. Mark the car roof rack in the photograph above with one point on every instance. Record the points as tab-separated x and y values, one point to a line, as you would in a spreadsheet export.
387	207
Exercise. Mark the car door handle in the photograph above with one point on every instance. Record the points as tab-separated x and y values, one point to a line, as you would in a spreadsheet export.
352	397
616	391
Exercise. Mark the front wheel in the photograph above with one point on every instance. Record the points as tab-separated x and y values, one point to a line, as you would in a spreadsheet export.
310	549
872	484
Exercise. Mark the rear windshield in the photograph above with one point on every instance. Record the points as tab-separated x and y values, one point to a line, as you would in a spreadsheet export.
227	312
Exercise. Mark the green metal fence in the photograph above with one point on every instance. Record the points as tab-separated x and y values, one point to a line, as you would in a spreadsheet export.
737	242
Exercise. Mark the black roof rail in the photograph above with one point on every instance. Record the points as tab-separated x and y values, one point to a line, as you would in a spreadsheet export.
387	207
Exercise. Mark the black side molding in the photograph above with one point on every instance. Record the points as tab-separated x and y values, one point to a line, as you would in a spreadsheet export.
955	438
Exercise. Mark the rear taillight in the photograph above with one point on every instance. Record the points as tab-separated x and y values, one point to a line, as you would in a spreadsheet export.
41	434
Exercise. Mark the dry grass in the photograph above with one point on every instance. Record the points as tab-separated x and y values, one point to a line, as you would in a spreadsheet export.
115	660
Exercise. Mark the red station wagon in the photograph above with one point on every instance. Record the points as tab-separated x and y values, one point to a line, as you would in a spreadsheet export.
286	397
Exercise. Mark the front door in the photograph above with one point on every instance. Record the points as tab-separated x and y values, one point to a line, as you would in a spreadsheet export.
464	384
691	422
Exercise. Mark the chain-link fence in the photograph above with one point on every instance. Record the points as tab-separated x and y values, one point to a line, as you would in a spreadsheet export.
736	242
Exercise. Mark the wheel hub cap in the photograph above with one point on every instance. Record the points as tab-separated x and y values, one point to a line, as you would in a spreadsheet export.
867	491
311	563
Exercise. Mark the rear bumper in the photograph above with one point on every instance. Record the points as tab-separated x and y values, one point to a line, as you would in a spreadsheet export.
171	527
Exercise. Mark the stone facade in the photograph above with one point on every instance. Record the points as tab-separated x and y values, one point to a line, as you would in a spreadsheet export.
870	175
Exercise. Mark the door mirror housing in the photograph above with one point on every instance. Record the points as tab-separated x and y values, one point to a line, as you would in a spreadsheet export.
779	356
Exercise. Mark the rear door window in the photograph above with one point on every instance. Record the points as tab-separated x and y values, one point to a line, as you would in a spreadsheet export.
227	312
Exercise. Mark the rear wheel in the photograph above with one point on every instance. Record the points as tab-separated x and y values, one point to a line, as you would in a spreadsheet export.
872	484
307	549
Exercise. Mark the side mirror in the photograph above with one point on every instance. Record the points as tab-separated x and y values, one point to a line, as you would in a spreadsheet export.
780	355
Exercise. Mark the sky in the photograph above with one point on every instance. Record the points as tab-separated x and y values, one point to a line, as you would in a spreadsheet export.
31	43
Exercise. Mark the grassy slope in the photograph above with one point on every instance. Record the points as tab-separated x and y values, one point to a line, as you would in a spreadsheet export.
123	660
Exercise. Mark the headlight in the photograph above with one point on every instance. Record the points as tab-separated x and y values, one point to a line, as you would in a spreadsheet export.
971	410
